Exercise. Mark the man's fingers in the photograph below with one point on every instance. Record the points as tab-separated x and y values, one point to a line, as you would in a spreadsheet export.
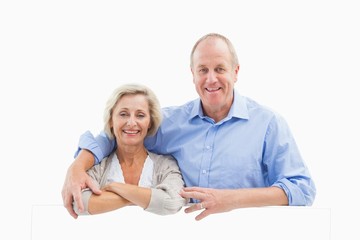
78	201
94	188
192	194
72	212
193	207
197	207
194	189
68	204
202	215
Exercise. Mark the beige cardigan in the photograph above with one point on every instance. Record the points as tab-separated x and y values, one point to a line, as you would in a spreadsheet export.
166	183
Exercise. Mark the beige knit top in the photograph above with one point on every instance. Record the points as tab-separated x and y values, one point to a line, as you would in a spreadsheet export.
166	183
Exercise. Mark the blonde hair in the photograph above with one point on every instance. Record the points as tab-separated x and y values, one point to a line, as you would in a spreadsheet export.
231	48
133	89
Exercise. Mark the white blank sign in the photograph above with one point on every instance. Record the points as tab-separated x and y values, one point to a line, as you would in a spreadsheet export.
54	222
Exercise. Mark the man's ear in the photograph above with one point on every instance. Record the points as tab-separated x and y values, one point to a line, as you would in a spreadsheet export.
192	72
237	69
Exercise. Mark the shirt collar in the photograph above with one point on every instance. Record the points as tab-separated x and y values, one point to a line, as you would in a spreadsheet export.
238	108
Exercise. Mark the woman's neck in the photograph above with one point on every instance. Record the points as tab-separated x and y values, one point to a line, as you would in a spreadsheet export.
130	155
132	162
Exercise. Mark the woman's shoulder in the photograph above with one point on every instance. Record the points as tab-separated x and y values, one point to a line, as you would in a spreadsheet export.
103	166
160	157
161	160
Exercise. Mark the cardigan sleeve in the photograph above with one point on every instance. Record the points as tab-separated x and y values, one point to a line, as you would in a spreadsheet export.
165	197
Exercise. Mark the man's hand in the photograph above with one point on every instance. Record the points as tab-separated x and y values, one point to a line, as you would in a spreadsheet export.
210	201
76	180
224	200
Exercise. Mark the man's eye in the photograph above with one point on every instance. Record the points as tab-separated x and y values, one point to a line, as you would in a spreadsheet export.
220	70
122	114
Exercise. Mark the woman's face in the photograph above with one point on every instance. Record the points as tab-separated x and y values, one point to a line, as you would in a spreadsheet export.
131	120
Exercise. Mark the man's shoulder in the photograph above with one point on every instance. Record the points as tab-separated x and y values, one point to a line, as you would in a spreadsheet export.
266	114
179	110
185	106
258	108
261	114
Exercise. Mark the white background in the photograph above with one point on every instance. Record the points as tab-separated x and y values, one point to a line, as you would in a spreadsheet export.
60	60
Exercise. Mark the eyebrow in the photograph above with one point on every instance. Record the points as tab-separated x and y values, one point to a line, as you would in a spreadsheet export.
136	110
201	66
219	65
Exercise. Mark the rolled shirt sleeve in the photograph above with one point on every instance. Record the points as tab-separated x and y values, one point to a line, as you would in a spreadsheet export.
286	168
101	146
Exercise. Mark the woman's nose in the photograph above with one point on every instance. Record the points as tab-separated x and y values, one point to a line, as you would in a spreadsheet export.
131	121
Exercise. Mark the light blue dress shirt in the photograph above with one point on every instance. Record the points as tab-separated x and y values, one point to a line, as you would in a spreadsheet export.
252	147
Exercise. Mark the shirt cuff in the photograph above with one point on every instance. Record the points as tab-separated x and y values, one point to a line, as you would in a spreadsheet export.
88	142
293	193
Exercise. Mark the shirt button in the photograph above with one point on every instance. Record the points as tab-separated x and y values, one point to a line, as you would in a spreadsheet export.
203	171
208	147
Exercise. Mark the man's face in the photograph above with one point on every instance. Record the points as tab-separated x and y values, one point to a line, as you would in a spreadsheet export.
214	75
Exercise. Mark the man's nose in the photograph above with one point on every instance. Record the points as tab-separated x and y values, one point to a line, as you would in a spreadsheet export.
211	76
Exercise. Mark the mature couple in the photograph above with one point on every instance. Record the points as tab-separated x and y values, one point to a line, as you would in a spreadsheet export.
221	151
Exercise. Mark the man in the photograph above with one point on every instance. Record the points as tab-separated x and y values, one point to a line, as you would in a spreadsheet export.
232	152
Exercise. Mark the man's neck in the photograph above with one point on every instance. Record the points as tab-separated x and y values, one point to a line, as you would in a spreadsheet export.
218	113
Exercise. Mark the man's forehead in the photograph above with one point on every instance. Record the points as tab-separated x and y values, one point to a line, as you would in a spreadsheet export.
211	60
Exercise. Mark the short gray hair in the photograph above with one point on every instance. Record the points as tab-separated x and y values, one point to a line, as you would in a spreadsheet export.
232	50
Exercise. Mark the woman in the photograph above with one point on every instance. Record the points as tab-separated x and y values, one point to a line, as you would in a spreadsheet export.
131	175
